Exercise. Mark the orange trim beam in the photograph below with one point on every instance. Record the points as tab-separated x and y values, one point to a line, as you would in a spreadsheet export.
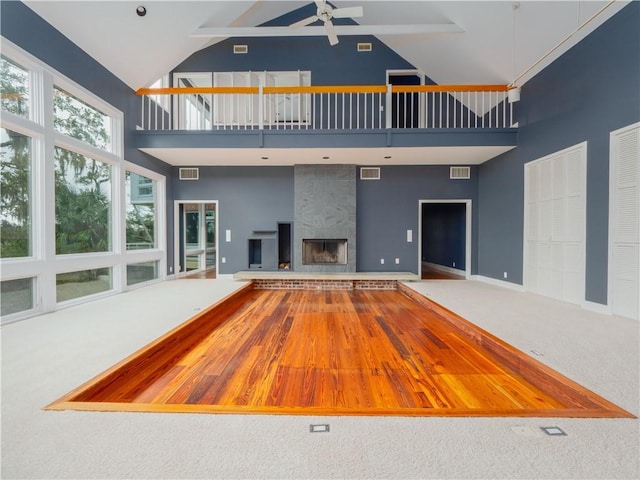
322	89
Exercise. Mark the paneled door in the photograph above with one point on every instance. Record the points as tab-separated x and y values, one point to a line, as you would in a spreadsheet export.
624	219
554	230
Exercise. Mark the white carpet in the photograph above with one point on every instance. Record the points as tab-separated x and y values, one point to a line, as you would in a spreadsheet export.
45	357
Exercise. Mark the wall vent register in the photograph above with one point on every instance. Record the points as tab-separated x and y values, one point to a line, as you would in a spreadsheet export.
370	173
460	173
189	173
240	49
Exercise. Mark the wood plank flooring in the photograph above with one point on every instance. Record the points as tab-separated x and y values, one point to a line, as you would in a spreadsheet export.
334	352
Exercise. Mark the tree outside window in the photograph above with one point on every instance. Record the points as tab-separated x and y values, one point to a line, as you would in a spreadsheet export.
15	194
141	212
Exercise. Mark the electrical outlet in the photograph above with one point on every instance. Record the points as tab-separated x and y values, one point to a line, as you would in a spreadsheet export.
170	269
505	274
397	261
382	261
223	259
454	264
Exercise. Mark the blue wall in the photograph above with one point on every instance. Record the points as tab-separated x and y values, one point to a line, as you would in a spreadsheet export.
591	90
25	28
388	207
250	198
337	65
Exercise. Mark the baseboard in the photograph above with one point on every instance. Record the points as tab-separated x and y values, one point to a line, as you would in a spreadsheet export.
596	307
498	283
444	268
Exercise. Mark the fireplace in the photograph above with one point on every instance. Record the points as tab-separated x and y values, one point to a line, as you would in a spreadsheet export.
324	251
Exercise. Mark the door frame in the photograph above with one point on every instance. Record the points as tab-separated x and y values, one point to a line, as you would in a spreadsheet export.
421	98
177	238
468	223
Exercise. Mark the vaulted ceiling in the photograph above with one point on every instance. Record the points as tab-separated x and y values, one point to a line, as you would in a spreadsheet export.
499	41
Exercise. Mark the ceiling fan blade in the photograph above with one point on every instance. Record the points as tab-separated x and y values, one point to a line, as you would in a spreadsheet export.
304	23
348	12
331	33
320	3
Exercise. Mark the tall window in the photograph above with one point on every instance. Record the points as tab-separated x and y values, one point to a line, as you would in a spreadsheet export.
15	194
83	203
141	212
75	118
14	88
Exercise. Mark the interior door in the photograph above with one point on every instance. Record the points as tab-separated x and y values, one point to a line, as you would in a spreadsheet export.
624	219
555	209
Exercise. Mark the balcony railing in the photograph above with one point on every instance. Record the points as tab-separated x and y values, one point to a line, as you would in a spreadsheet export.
327	107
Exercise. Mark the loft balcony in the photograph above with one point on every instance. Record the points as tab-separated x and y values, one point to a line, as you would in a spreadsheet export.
456	123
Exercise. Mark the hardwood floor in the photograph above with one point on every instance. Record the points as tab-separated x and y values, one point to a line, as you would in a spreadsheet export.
210	273
334	352
429	273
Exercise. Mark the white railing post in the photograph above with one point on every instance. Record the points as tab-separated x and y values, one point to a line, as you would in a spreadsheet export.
261	107
388	107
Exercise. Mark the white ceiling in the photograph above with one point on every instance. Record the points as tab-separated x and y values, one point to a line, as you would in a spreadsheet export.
139	50
314	156
498	43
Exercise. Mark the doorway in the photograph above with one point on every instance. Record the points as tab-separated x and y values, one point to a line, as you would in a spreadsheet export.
196	237
407	109
444	243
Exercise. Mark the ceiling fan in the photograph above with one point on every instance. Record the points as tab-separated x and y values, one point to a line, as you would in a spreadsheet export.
326	13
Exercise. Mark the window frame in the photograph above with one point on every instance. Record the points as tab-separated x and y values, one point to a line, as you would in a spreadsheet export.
44	264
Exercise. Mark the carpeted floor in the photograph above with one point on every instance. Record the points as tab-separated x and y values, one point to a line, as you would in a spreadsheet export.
45	357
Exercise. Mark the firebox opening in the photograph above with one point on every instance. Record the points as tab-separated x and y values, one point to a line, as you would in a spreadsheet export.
322	251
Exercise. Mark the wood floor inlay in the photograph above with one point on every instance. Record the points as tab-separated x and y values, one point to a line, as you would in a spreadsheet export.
334	352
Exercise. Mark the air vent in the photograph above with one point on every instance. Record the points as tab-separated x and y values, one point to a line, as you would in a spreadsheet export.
240	49
370	173
189	174
460	173
364	47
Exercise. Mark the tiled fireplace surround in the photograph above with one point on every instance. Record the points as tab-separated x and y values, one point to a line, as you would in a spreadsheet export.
324	208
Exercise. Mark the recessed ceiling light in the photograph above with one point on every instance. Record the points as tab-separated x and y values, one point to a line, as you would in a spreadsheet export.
141	11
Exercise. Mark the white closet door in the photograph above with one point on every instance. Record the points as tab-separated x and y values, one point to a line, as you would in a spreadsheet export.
555	206
624	220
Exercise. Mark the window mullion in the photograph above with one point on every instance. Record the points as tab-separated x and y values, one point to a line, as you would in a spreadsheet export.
44	196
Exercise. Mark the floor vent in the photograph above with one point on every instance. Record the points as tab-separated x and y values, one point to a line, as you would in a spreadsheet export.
240	49
460	173
370	173
189	174
364	47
